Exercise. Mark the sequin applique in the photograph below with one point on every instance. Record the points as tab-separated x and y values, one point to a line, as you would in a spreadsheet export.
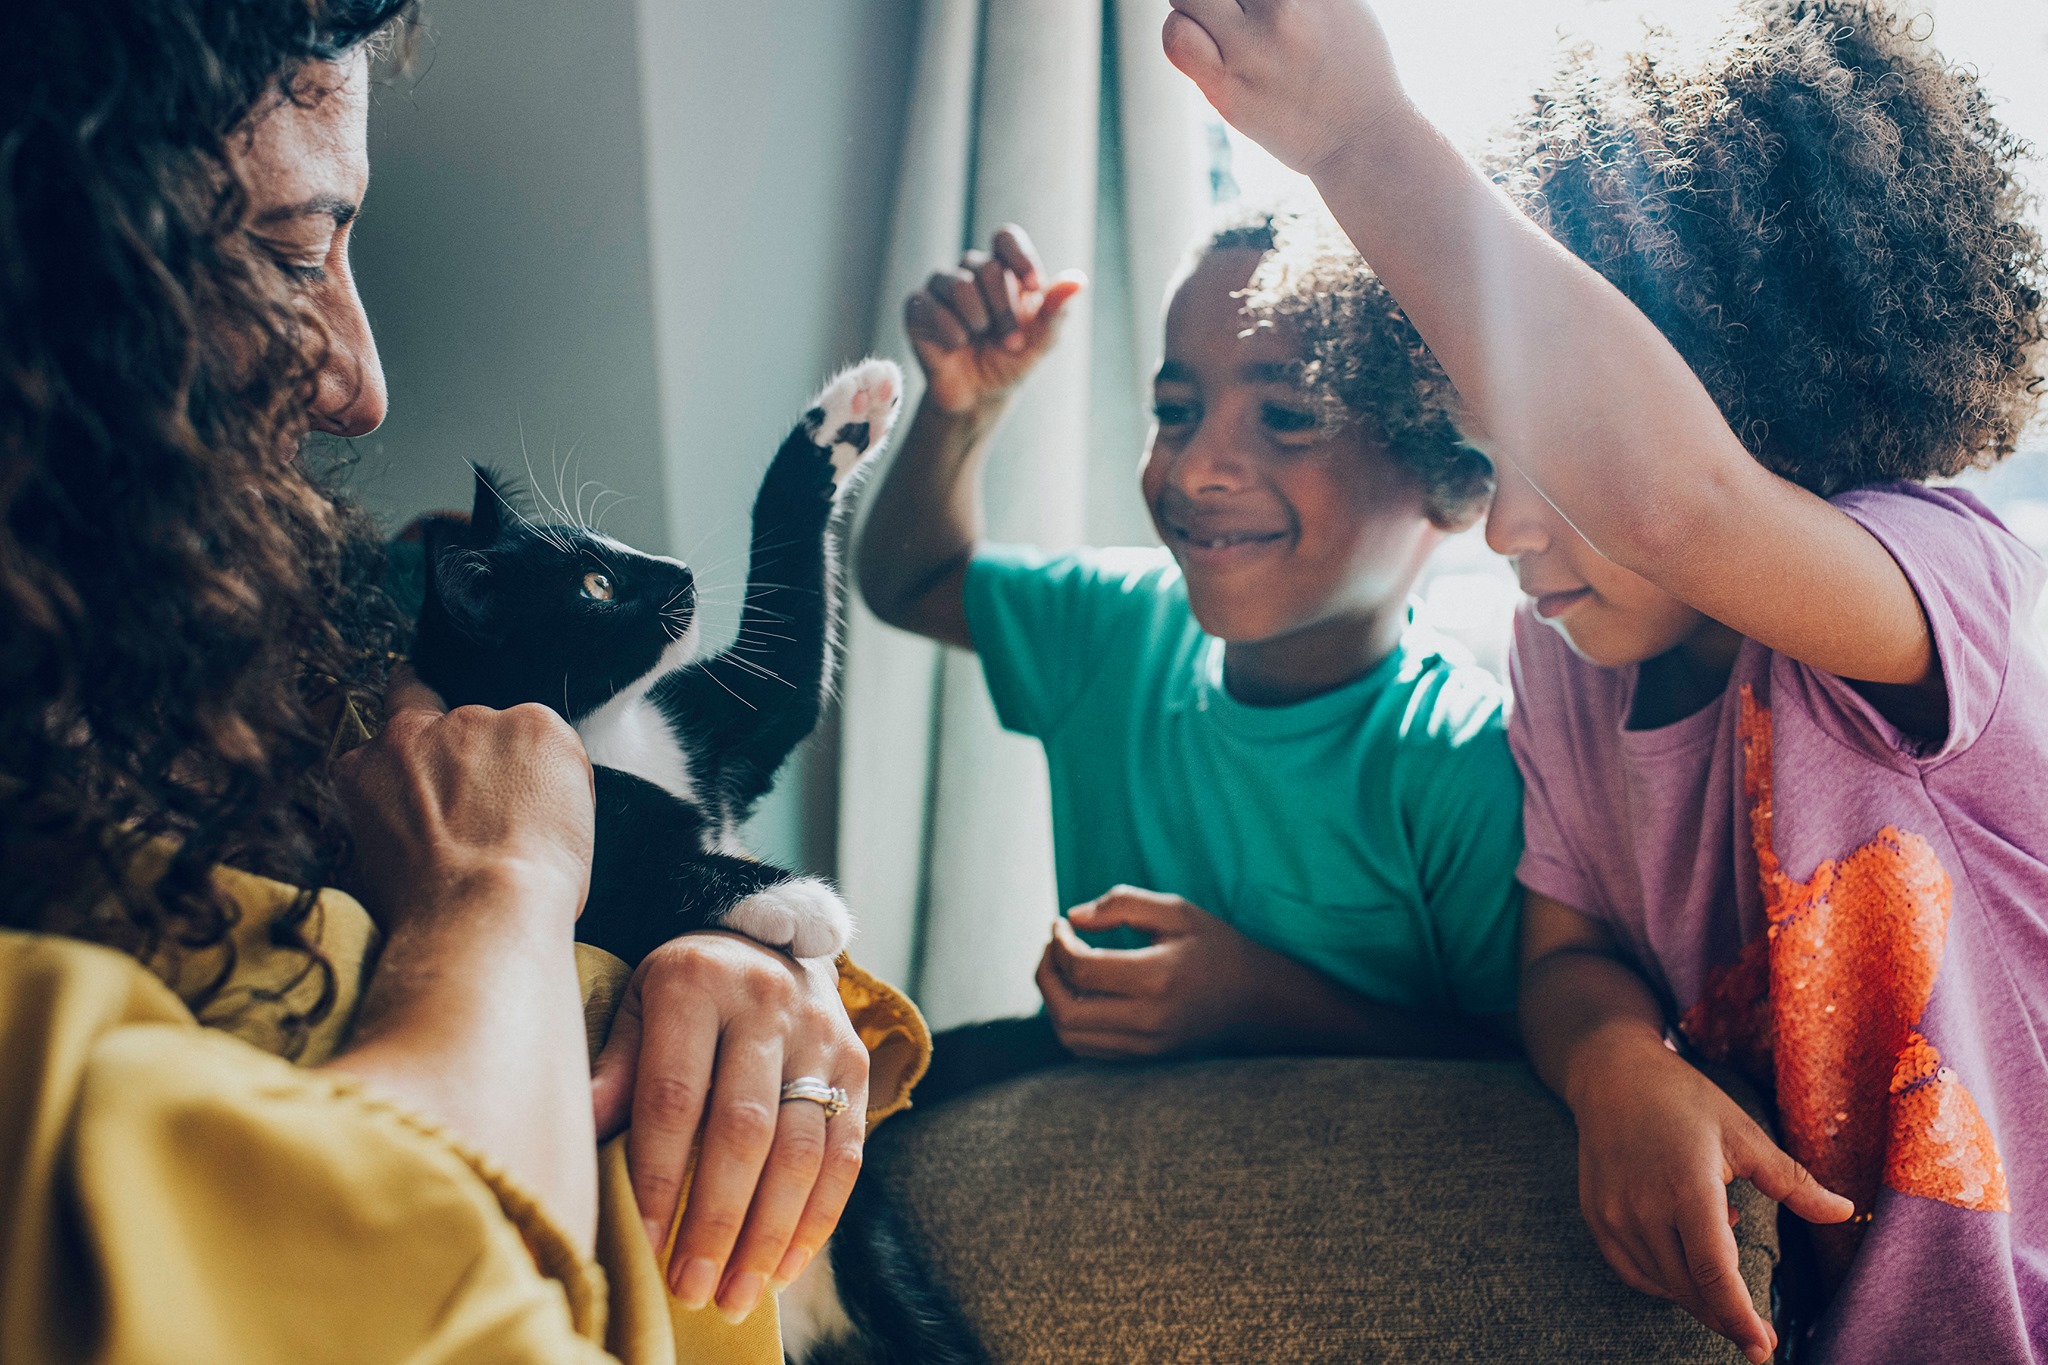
1828	1001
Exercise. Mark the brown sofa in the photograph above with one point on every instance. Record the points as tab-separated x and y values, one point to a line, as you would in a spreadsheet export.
1277	1210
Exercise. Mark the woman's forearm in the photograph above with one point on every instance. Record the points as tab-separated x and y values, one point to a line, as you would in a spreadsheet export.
926	520
474	1018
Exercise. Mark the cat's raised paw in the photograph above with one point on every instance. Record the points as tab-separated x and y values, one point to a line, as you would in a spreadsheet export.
854	414
803	916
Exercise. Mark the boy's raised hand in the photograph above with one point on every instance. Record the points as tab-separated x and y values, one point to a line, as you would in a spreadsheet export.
979	327
1302	78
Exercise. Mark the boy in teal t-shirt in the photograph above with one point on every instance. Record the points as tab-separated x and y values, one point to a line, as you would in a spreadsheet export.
1284	812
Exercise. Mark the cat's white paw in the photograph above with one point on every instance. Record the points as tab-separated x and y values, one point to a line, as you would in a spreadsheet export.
853	415
802	915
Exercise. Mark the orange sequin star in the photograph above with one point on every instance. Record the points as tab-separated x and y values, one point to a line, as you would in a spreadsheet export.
1829	1000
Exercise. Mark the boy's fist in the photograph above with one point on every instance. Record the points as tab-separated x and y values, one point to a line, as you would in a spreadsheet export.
1302	78
980	327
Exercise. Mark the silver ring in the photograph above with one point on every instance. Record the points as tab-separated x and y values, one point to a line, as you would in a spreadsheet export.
833	1098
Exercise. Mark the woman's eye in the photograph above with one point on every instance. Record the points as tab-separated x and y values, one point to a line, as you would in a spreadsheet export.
1286	420
304	274
597	587
1174	414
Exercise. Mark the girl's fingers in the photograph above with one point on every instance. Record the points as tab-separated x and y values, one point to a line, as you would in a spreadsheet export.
611	1076
1192	50
1767	1166
1714	1268
785	1188
1012	246
738	1135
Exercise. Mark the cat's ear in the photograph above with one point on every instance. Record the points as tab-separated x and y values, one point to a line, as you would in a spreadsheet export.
486	512
455	575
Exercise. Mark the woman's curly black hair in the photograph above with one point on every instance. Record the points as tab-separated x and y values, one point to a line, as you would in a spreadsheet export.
1825	219
182	606
1362	360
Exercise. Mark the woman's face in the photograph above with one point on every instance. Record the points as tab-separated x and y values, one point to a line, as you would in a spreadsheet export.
305	164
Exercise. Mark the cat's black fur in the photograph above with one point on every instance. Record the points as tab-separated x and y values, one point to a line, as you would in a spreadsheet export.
517	611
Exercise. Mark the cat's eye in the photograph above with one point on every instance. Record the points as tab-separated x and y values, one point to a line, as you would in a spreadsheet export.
597	587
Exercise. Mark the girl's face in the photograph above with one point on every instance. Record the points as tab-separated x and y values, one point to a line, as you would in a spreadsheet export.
1609	615
305	165
1278	525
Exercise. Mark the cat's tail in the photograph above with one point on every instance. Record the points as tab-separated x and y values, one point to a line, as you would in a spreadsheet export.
871	1299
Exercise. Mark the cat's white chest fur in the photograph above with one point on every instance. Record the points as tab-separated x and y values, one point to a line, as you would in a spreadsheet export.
630	734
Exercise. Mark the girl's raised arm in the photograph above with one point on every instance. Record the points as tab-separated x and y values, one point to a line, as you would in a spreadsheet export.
1561	375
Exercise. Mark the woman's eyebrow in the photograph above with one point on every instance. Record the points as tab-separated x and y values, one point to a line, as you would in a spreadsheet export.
342	211
1173	372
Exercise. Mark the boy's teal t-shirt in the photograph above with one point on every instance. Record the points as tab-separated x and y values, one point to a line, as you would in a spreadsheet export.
1371	832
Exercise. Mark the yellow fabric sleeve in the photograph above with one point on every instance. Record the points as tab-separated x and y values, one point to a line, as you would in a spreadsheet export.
170	1194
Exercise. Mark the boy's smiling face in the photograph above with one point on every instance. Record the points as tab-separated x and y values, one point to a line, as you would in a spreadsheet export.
1281	527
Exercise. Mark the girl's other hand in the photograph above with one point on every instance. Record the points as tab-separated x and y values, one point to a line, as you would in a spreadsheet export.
980	327
1302	78
1658	1145
445	800
711	1027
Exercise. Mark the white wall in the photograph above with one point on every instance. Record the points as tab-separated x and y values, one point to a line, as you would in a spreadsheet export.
644	231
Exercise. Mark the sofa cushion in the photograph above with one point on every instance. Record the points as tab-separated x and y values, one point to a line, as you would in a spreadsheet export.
1279	1209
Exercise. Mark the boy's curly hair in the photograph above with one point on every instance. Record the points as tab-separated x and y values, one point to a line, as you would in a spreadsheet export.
1362	360
1825	219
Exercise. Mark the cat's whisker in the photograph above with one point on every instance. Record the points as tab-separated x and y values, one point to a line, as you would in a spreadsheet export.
713	675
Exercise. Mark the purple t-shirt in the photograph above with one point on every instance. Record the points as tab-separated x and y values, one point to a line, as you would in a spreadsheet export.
1859	920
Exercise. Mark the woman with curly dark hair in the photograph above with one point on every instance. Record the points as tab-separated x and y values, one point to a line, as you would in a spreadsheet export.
1781	709
196	655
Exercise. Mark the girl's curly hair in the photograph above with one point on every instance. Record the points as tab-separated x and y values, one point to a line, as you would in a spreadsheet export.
1362	360
182	606
1825	219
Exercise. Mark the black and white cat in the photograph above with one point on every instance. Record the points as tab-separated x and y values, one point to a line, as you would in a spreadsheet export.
683	749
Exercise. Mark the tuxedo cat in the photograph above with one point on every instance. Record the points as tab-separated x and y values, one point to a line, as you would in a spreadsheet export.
683	749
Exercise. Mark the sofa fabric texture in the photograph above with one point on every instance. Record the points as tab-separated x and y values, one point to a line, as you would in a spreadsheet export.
1278	1210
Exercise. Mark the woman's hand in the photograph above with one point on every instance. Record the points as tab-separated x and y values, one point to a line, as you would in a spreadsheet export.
473	835
442	800
1302	78
1196	982
711	1027
1658	1144
980	327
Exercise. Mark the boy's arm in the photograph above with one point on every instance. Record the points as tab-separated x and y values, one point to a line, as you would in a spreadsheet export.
978	329
1202	985
1658	1141
1562	376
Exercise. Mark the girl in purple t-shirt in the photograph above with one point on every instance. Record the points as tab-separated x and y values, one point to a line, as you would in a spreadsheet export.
1782	714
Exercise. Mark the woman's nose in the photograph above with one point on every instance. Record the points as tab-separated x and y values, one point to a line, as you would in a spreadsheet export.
349	397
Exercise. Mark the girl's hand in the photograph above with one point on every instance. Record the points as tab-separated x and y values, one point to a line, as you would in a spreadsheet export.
1195	983
442	801
711	1027
1658	1145
980	327
1302	78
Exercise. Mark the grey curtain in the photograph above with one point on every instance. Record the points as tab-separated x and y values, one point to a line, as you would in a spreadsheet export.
1063	116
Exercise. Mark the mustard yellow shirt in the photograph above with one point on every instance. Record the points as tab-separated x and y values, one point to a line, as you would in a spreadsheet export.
172	1190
